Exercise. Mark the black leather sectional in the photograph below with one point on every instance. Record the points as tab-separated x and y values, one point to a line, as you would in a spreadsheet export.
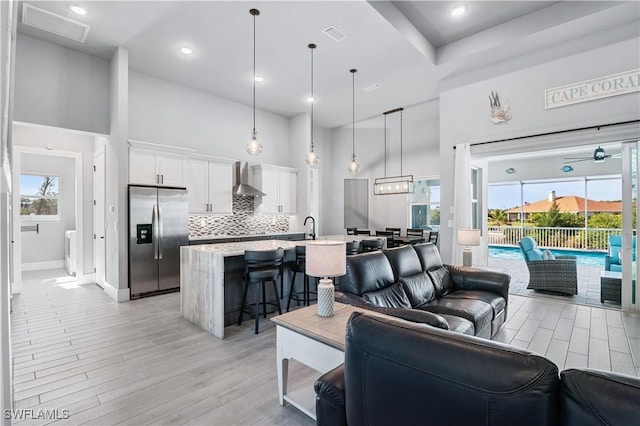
410	282
401	373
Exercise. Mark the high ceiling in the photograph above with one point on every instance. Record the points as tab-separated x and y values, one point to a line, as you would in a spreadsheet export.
406	47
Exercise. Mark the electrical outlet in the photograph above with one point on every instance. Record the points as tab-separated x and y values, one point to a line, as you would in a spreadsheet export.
203	223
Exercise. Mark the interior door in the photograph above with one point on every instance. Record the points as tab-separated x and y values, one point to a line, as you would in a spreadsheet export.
99	231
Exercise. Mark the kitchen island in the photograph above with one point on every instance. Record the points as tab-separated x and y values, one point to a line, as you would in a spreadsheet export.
211	282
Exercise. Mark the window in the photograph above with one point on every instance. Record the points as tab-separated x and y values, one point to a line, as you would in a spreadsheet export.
39	197
425	204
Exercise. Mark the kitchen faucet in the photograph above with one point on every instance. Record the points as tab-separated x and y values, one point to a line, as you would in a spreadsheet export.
313	226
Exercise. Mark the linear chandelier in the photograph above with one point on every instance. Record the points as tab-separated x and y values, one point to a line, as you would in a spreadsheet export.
402	184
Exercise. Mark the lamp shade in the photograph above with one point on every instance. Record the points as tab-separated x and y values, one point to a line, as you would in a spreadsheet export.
469	237
326	258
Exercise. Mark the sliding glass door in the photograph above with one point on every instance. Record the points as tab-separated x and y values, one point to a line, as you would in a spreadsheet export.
630	267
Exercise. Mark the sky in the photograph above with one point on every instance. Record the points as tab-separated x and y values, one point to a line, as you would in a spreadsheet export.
31	184
508	196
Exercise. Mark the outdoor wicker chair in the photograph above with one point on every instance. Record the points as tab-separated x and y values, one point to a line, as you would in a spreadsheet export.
559	274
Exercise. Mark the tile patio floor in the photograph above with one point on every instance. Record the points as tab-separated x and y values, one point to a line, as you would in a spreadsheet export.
588	283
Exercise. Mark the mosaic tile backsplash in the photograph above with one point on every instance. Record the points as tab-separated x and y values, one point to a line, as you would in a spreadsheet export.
241	221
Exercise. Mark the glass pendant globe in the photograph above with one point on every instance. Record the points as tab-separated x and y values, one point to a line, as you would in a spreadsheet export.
354	167
312	158
254	147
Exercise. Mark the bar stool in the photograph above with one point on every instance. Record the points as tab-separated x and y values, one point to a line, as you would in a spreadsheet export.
299	266
353	247
262	266
371	245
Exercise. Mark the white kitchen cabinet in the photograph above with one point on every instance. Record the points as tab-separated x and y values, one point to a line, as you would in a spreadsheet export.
152	164
209	183
280	186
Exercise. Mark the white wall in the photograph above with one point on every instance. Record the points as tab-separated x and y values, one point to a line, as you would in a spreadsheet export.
48	244
60	87
169	114
420	158
465	113
63	140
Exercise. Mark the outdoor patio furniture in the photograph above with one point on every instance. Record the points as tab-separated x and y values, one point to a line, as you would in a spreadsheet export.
612	260
558	275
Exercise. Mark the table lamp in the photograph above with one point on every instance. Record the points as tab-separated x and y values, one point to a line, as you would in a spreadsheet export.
468	238
325	259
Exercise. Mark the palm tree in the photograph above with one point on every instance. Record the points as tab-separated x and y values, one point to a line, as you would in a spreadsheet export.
498	217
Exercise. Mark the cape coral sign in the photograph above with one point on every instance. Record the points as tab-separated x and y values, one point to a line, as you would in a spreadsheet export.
583	91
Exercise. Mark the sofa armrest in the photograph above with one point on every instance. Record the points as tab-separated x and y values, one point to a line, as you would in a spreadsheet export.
330	407
412	315
465	278
563	257
607	262
591	397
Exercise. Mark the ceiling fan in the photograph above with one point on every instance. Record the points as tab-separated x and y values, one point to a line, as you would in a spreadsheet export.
598	157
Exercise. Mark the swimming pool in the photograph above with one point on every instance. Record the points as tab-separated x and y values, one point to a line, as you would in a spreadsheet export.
588	258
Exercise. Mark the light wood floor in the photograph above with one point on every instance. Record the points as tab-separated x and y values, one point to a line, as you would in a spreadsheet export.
141	363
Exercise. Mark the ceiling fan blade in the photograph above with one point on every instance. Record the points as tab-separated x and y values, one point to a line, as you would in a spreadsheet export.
616	155
577	160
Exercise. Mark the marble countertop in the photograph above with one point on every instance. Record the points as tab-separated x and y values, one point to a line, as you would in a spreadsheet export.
226	236
238	248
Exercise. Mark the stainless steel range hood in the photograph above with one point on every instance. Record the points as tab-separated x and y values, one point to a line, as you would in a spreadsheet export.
242	186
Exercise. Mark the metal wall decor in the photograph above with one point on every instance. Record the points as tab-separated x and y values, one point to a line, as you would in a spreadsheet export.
499	113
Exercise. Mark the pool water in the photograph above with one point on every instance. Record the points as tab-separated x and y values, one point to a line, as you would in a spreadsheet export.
587	258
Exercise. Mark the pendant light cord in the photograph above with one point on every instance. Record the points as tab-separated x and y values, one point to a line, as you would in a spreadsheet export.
353	113
254	74
401	143
385	145
313	99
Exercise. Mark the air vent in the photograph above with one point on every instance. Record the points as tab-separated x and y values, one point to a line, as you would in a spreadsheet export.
335	34
56	24
372	87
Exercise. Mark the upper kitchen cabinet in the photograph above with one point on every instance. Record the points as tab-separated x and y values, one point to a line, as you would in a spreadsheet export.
153	164
280	187
209	183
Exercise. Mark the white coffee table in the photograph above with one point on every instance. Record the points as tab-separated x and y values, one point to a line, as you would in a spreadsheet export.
314	341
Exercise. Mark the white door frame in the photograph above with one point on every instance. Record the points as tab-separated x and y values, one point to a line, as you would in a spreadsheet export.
628	180
99	229
17	237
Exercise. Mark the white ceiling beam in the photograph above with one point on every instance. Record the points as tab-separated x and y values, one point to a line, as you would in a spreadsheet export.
390	12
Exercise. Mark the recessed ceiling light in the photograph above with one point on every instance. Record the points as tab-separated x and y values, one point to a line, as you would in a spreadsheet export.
510	171
186	50
259	79
458	10
78	10
311	99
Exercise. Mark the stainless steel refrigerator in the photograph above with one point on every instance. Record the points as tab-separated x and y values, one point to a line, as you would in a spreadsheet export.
158	226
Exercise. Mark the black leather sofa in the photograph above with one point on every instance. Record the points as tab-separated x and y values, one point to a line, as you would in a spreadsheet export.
410	282
402	373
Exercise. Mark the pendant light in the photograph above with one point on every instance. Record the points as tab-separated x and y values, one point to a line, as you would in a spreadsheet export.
254	147
402	184
354	167
312	157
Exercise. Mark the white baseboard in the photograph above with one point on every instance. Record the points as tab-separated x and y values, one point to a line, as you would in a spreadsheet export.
117	294
38	266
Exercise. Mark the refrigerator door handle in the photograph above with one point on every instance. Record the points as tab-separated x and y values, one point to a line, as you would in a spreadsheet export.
154	226
160	233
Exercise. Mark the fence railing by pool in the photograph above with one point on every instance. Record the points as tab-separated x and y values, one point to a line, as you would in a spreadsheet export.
569	238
